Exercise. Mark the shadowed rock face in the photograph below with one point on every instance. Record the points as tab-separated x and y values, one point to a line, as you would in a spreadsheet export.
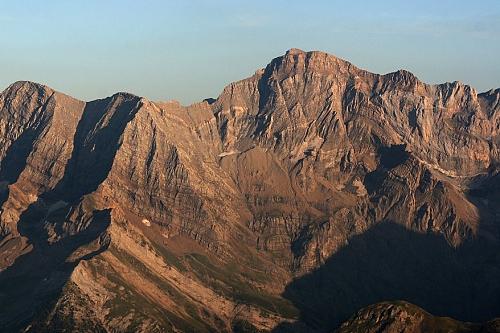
297	197
388	262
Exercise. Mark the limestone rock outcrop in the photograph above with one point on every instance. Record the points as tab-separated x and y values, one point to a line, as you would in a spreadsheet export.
124	214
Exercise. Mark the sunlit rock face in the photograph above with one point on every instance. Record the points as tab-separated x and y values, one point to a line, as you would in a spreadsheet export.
254	211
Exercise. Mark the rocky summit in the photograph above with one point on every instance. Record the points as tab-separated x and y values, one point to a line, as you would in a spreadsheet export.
313	196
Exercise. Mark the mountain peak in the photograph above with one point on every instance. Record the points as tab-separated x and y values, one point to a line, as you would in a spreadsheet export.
125	95
298	61
28	83
233	212
294	51
27	86
314	54
403	78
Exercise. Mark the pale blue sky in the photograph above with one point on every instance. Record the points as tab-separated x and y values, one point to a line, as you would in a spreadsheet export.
190	49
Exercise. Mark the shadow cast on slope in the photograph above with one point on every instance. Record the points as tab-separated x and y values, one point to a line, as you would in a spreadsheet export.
17	154
37	278
95	148
35	281
389	262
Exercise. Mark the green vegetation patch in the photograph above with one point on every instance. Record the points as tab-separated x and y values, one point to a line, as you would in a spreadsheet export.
228	280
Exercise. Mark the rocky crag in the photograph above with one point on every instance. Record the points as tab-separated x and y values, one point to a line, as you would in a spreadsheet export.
300	195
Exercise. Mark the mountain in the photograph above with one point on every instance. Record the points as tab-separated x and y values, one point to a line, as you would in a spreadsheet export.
299	196
403	317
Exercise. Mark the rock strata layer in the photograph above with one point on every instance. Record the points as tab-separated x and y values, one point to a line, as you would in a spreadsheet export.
256	211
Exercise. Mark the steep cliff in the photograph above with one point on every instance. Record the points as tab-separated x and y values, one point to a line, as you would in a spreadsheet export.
300	195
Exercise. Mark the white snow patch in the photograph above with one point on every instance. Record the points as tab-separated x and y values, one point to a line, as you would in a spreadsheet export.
146	222
32	197
227	153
